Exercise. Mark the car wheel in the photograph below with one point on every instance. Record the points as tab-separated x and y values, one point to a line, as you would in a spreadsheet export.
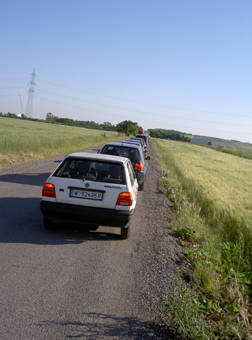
140	187
125	232
47	222
92	227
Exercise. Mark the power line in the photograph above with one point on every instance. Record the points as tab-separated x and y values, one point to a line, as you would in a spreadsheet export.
134	102
135	105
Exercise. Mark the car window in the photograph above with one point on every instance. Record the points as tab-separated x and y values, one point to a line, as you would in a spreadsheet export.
91	170
131	173
123	151
132	170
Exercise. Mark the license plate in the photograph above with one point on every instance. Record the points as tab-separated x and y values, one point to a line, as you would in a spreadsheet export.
86	194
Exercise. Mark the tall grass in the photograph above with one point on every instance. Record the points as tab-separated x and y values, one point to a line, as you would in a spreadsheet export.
211	192
21	139
238	153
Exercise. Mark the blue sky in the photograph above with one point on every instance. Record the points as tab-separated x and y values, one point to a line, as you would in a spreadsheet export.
184	65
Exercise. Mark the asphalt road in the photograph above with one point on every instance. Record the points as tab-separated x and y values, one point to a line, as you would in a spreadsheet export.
68	283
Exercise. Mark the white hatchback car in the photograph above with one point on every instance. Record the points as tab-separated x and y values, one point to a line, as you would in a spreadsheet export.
92	189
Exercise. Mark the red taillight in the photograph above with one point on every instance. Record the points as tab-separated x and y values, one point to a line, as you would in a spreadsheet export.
48	190
139	166
124	198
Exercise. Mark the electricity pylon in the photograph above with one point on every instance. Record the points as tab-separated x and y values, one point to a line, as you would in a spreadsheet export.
31	89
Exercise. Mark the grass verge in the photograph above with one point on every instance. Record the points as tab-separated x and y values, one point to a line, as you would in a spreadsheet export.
183	313
217	240
22	141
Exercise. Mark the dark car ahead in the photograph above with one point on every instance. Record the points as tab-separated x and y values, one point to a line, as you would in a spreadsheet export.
141	141
132	151
137	141
144	136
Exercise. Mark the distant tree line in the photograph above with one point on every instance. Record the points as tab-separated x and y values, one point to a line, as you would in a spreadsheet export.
127	126
22	116
89	124
168	134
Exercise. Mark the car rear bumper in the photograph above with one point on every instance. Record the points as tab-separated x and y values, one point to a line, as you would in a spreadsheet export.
82	214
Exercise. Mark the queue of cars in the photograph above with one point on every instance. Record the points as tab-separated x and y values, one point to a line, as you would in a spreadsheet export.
131	151
96	189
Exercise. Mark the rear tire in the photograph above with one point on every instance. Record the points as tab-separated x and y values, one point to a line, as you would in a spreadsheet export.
125	233
92	227
48	224
140	187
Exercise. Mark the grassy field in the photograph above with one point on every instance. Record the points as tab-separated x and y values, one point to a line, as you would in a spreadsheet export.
224	179
211	193
238	153
22	140
226	143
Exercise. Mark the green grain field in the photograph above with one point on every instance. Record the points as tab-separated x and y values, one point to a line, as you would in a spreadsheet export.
22	140
211	193
224	179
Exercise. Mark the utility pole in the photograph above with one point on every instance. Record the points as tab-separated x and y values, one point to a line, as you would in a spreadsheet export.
21	105
31	89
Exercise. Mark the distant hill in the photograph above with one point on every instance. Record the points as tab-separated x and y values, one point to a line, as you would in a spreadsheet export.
226	143
172	131
169	134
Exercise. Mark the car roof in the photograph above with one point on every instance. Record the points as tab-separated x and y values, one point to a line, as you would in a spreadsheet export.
131	141
138	139
98	156
130	145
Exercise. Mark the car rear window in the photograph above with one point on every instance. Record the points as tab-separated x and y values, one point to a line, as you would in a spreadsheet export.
123	151
92	170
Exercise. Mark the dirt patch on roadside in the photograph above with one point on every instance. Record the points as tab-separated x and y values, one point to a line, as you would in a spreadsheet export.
9	160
